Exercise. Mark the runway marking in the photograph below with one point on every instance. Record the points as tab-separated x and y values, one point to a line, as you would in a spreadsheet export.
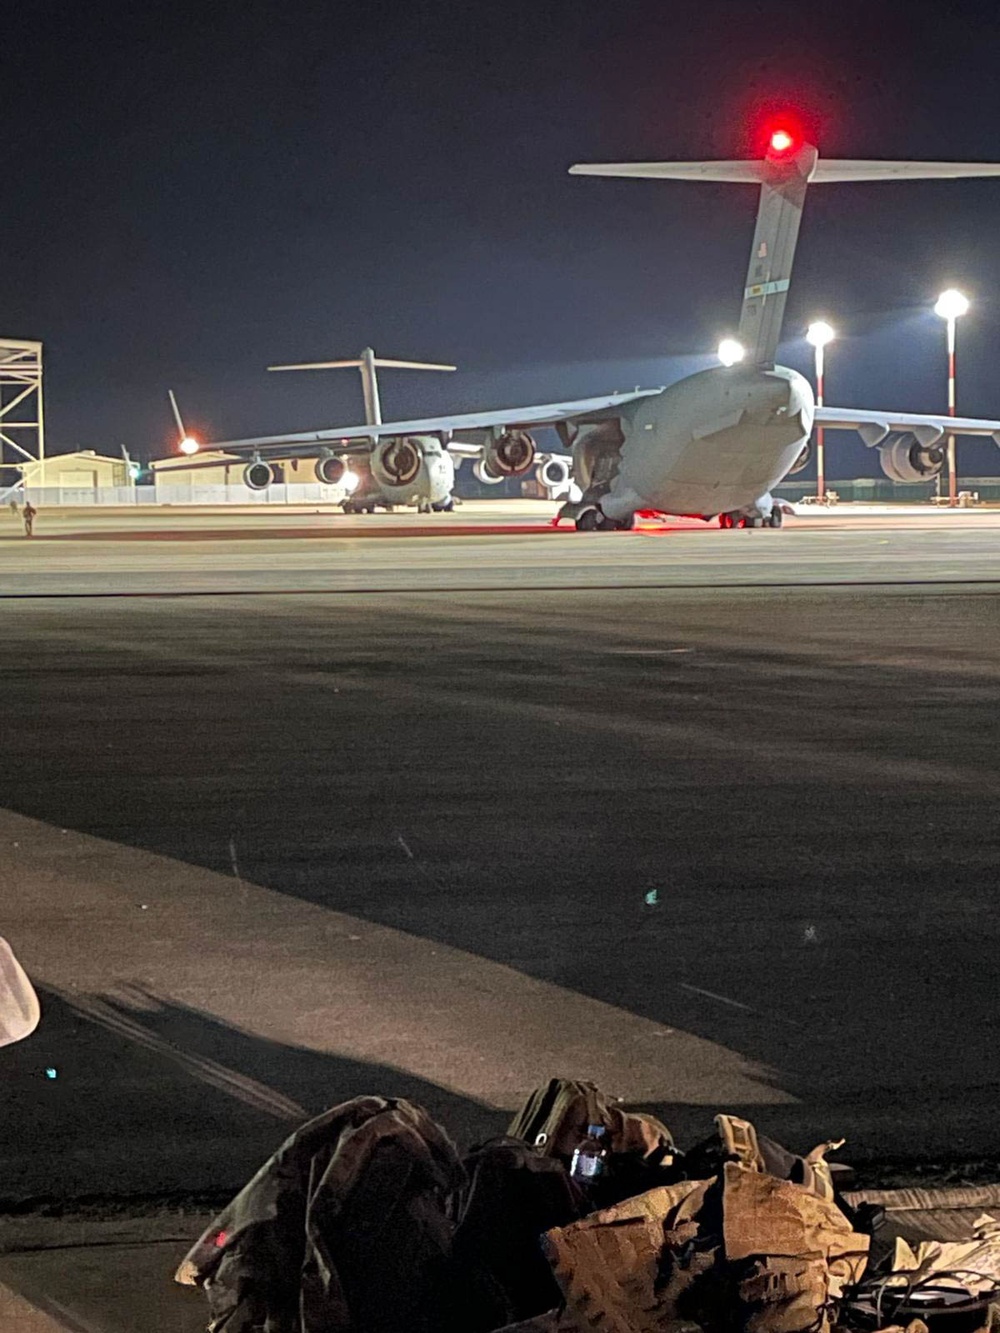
723	999
419	865
738	1004
405	846
232	858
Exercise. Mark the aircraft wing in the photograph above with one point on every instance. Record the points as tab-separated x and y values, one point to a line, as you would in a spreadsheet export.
361	439
873	426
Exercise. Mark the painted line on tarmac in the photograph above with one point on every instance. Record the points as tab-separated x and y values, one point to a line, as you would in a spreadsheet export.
450	589
738	1004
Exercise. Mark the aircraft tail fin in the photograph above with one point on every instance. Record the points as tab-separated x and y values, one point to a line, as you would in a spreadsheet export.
784	175
368	364
769	274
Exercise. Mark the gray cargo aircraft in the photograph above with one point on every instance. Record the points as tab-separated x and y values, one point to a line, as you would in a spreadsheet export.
712	445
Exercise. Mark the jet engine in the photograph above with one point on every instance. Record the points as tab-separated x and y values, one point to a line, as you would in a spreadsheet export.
479	471
258	475
904	458
414	469
803	460
396	463
554	473
330	470
511	455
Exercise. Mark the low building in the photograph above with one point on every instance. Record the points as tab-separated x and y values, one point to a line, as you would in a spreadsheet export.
212	467
208	468
85	470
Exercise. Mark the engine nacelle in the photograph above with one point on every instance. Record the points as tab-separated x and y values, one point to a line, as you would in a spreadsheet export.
396	463
904	458
480	472
553	474
411	470
803	460
258	475
509	456
330	470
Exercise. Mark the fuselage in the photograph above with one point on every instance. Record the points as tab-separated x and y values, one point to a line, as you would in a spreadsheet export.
712	443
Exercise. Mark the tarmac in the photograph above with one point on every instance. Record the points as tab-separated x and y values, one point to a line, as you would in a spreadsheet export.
290	815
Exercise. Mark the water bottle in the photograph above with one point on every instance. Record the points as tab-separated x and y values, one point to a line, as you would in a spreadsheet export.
590	1157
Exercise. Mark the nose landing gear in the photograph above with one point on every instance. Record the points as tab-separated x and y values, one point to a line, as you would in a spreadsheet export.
593	519
737	519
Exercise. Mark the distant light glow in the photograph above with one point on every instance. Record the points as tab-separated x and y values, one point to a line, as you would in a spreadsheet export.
350	481
951	304
731	352
189	445
819	333
781	141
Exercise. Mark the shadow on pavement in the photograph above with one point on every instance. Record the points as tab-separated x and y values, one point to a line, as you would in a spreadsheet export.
183	1104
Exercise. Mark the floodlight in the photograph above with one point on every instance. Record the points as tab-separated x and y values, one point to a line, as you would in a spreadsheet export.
951	304
819	333
731	351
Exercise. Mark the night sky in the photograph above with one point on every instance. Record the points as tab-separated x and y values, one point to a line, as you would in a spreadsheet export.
190	194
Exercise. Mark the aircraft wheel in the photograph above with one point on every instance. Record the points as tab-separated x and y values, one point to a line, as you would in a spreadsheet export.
776	519
590	520
423	506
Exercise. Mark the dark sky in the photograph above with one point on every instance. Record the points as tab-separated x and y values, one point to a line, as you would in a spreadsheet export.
190	193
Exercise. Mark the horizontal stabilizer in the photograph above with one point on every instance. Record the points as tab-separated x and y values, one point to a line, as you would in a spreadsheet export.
847	169
830	170
739	172
357	361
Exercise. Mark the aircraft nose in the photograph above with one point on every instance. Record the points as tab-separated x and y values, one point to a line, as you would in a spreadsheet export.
801	402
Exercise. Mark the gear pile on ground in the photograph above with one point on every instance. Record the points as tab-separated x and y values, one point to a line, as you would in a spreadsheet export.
583	1218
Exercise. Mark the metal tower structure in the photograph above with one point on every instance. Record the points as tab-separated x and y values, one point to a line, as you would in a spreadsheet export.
22	416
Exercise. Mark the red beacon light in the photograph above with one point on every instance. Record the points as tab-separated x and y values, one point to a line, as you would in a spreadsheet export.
781	141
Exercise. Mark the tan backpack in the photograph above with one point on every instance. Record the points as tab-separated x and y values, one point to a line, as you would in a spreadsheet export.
555	1117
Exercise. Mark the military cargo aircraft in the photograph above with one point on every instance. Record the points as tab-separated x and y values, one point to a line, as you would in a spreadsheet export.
712	445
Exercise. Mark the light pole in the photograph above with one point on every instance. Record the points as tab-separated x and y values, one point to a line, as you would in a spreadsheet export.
951	306
819	333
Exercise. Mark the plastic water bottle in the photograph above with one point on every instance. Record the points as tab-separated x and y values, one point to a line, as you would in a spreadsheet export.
590	1157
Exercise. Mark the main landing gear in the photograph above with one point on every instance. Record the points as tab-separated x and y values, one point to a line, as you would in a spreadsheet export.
738	520
593	519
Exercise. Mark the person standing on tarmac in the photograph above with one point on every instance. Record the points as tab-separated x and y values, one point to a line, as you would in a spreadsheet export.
29	518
